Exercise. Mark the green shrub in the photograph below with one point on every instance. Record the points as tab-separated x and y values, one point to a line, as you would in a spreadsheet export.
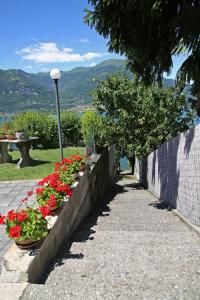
71	128
40	124
44	126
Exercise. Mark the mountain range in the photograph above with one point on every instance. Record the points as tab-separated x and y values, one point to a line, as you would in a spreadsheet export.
20	90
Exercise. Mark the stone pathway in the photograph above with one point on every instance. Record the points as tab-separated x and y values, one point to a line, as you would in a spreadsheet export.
11	192
129	248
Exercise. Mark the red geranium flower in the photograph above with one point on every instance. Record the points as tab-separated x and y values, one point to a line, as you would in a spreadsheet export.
39	191
21	216
59	189
24	200
15	231
11	215
45	211
30	193
52	201
77	157
2	220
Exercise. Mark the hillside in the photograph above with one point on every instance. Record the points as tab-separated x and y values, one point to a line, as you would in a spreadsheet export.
20	90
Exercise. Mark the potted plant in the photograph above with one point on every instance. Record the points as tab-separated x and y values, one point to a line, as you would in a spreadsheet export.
52	192
69	166
27	226
8	132
2	135
80	161
20	131
10	135
21	135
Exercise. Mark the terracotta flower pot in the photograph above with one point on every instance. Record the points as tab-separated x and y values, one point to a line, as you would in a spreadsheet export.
75	176
28	244
82	167
11	137
55	210
2	137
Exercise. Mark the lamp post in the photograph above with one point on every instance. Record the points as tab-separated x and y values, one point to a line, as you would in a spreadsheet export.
55	75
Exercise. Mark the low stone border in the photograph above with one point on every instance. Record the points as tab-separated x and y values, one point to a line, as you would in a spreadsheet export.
12	291
23	265
183	219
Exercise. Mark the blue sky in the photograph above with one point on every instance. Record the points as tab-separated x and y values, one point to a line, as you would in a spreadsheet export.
38	35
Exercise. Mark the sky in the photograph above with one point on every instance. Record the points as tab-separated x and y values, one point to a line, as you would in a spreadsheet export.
38	35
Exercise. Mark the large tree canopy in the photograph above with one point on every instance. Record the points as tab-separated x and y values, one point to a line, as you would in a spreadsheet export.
149	32
139	118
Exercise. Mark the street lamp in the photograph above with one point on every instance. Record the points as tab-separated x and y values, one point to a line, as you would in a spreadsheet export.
55	75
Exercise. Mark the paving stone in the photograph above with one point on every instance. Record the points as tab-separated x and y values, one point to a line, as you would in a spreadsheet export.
130	247
10	195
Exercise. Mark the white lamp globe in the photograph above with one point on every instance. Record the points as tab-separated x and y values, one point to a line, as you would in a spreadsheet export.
55	74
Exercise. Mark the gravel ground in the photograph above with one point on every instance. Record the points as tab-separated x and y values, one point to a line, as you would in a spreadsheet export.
128	248
11	192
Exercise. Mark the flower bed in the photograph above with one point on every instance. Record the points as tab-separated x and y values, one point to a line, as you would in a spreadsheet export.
30	223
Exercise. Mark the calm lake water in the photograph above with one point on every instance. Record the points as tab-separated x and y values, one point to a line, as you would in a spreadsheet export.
6	118
124	164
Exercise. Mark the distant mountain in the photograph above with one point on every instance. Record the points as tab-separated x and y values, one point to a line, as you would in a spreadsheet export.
21	91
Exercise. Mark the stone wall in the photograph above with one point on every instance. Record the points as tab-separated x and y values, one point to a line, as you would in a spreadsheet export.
172	173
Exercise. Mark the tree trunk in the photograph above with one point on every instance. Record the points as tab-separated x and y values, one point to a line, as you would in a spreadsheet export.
132	163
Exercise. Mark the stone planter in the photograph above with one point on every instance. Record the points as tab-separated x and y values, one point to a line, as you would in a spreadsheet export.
21	136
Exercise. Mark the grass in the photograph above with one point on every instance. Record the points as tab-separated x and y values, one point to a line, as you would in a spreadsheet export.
44	164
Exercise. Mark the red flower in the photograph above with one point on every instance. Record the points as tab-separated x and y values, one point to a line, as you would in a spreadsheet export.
67	161
15	231
45	211
52	201
2	220
64	169
30	193
11	215
57	166
39	191
21	216
77	157
59	189
69	193
24	200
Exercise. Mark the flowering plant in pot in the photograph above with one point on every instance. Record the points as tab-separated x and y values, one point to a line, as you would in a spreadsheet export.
52	191
71	165
26	226
80	161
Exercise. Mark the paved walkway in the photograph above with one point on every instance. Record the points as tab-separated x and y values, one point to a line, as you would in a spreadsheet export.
129	248
11	192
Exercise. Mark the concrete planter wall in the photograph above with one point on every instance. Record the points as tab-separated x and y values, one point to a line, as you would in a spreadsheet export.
19	266
172	173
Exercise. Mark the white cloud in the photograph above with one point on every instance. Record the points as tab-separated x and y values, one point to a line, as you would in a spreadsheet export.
51	52
84	41
93	64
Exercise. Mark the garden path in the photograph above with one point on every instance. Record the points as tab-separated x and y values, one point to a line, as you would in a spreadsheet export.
130	247
11	192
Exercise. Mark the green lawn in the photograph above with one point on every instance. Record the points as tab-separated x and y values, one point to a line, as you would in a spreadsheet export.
44	164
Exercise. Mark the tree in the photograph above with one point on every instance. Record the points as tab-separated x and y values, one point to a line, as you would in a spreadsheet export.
149	32
139	118
92	130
